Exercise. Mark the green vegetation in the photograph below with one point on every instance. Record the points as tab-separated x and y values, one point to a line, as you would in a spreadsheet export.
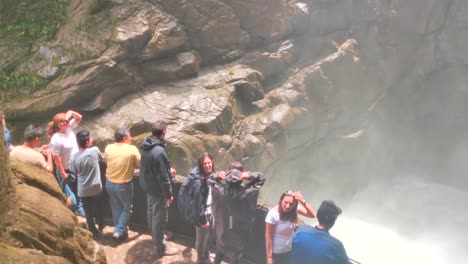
30	20
14	85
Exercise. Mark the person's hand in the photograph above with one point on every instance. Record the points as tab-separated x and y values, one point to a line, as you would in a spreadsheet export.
43	148
64	175
173	172
68	114
221	175
206	225
269	260
245	175
170	200
298	196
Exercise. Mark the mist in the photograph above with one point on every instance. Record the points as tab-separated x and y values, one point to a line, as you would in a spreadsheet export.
399	176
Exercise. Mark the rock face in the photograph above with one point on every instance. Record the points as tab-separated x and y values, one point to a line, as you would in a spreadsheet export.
36	225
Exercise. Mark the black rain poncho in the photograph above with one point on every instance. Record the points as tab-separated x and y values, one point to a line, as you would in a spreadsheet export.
234	206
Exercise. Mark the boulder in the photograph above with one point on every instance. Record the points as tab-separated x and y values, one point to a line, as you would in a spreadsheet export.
44	229
181	66
212	26
268	20
146	32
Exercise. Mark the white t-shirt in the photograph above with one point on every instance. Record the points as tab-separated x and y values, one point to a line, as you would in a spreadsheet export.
65	145
283	231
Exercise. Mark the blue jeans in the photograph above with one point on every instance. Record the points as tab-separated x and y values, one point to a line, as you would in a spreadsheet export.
70	183
121	201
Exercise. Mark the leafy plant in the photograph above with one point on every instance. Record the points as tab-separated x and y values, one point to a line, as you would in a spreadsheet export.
13	85
30	20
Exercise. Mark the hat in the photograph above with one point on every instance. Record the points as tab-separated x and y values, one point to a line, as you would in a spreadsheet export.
328	211
234	176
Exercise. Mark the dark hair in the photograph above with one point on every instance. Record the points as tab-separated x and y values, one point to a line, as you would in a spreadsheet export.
236	165
32	132
202	157
158	128
328	213
120	134
291	215
82	138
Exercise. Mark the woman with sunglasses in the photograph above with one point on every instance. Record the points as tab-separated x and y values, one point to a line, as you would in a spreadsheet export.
64	145
280	223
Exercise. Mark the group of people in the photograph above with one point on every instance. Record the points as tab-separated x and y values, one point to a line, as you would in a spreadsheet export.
78	166
286	242
222	205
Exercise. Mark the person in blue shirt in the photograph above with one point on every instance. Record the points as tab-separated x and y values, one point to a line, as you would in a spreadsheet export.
7	133
315	245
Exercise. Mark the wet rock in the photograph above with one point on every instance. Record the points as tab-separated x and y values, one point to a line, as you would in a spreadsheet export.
144	31
212	26
184	65
266	20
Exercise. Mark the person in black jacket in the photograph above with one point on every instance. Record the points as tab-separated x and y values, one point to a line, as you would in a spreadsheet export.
156	181
204	232
234	204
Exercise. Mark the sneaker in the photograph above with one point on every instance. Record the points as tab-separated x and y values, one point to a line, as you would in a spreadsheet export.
170	251
120	237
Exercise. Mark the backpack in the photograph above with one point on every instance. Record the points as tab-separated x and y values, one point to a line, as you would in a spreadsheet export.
190	202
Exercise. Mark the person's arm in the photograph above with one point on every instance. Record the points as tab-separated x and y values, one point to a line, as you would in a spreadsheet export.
50	164
305	209
77	116
165	179
257	179
58	163
269	242
136	158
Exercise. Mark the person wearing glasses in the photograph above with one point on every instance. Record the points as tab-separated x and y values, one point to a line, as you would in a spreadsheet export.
64	145
280	224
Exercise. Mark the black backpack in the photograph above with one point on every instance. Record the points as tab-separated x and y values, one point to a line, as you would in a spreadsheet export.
190	202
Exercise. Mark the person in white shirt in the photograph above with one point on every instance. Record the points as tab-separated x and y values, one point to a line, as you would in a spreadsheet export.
280	223
64	145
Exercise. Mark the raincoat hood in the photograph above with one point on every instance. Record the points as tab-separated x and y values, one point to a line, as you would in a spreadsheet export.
151	142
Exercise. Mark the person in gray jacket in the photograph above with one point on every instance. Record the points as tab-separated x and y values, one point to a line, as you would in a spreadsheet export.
156	181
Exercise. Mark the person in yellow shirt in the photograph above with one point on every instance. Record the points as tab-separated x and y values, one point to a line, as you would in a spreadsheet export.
122	159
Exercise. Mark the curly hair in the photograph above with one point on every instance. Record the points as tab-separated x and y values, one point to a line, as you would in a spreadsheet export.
53	126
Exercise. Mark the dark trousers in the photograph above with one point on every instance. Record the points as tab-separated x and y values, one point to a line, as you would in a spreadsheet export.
204	239
220	255
157	220
93	207
282	258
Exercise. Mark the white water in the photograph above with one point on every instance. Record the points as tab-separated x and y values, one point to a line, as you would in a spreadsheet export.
405	223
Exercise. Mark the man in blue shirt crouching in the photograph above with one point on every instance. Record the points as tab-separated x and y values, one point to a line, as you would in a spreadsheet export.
315	245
